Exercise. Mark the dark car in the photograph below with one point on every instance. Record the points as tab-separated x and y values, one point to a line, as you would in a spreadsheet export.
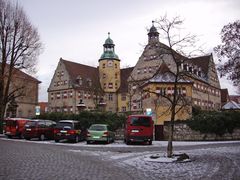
41	129
69	130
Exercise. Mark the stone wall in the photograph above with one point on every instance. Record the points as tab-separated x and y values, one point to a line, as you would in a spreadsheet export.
182	132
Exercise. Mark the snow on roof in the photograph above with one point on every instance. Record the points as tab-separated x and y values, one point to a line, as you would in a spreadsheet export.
167	77
231	105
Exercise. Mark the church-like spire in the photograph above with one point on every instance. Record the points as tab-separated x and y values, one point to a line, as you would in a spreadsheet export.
153	34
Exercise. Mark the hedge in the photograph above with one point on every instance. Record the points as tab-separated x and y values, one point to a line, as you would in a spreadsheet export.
87	118
215	122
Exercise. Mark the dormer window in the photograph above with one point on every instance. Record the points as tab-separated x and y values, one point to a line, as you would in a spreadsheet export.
195	71
185	67
89	81
190	69
79	80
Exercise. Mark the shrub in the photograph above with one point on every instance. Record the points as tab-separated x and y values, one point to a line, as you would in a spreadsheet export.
215	122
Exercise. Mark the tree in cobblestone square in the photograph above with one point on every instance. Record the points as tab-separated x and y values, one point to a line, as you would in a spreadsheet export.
179	50
19	47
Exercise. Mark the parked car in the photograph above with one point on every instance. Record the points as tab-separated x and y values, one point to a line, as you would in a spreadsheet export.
14	127
100	133
41	129
138	128
69	130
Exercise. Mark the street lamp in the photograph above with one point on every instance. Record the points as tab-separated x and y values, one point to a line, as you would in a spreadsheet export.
81	106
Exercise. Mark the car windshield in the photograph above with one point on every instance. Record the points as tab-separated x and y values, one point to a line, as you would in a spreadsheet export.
140	121
64	125
31	124
98	128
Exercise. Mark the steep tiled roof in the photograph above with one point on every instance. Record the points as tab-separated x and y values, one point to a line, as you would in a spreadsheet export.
79	70
125	73
235	98
201	61
22	75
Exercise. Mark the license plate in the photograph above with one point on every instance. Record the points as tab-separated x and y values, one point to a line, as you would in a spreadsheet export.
96	137
62	131
135	130
28	129
7	133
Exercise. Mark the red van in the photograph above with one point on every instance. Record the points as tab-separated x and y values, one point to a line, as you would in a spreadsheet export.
38	128
14	127
138	128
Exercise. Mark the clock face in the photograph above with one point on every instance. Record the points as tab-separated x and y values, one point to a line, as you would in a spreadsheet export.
110	63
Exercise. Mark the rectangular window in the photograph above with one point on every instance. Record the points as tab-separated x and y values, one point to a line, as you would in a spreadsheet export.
52	96
70	94
124	109
58	95
110	85
123	97
65	94
110	97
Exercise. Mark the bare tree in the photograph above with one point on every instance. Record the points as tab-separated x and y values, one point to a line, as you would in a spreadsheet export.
177	50
19	47
229	52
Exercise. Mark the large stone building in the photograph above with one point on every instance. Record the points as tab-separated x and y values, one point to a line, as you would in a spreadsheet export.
108	87
25	90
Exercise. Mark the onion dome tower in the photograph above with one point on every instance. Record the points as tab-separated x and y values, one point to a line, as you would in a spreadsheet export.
109	67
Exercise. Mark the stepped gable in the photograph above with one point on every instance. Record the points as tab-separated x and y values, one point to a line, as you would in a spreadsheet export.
125	73
76	70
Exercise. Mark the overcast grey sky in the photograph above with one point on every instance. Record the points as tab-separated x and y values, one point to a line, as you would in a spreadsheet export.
76	29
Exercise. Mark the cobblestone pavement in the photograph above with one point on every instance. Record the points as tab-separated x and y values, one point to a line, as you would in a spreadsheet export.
24	160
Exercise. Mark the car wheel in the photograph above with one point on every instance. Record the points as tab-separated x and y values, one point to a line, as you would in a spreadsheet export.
108	140
128	142
9	136
27	138
56	140
88	142
21	136
150	142
42	137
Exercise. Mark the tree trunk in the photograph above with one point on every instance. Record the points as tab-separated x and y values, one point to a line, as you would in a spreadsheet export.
2	111
170	139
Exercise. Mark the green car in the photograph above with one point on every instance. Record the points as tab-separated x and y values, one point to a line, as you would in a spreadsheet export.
100	133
